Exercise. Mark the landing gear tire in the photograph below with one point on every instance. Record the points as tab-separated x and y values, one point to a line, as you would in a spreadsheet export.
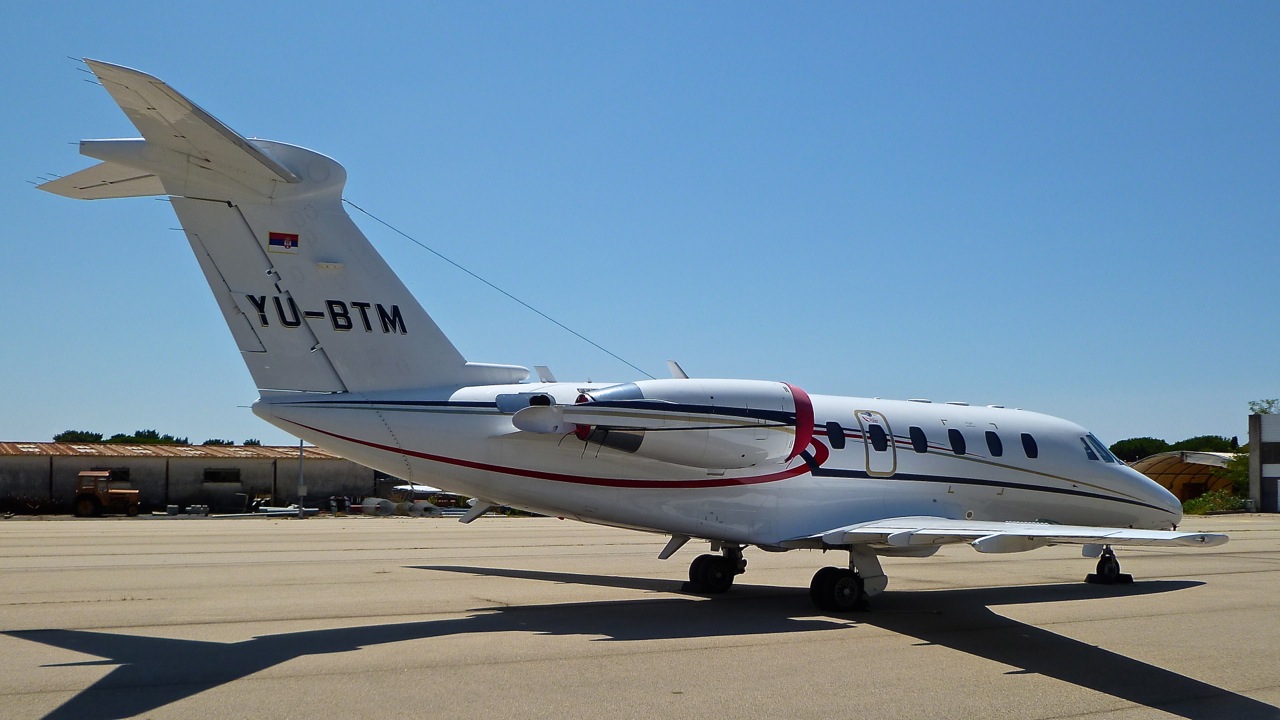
696	570
711	574
1108	571
837	590
816	586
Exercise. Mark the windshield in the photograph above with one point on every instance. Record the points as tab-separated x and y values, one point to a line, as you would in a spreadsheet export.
1102	451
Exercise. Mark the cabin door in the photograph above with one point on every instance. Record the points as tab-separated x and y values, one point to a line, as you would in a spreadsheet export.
877	438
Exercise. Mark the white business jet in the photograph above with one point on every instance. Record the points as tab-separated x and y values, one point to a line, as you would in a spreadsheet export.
344	357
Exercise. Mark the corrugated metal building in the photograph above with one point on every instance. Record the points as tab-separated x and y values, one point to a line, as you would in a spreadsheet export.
42	474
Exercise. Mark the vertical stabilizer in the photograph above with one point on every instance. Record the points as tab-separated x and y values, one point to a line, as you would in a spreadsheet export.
311	304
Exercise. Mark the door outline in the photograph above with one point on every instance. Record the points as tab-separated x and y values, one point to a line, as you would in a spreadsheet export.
877	460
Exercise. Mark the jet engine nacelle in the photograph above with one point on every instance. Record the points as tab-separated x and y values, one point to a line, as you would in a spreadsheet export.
709	424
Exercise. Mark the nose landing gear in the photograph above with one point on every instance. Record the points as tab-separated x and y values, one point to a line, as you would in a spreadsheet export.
1108	570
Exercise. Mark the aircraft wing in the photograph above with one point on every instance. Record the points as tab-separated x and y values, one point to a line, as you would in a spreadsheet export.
999	537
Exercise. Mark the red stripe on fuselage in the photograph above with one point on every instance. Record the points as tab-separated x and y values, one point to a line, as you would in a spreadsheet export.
804	421
819	451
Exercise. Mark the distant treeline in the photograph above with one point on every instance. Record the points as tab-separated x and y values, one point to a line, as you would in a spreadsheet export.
1137	448
141	437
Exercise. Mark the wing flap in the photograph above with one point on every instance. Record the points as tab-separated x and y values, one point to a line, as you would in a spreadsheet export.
999	537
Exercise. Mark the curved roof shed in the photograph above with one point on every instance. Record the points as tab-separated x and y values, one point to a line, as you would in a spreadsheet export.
1186	474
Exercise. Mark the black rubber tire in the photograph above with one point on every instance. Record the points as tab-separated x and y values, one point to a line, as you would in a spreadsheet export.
1108	569
86	506
696	571
131	511
841	591
815	587
717	574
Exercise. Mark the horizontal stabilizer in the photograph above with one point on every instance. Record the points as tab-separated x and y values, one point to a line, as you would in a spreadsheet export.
167	119
1000	537
105	180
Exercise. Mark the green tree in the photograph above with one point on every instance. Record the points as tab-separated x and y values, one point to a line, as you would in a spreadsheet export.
1137	448
1237	471
253	441
147	437
1264	407
83	436
218	441
1206	443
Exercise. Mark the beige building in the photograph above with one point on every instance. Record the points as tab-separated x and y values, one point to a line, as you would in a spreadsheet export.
41	475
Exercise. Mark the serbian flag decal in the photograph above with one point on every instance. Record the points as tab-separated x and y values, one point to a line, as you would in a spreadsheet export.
282	243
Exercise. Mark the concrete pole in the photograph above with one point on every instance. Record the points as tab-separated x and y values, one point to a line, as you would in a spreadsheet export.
302	485
1255	461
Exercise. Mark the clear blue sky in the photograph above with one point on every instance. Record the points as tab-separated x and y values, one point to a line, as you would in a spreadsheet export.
1069	207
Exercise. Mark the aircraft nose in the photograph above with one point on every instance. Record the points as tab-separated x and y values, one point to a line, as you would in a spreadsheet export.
1171	505
1170	508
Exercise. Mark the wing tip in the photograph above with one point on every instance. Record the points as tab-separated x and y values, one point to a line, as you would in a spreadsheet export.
1207	539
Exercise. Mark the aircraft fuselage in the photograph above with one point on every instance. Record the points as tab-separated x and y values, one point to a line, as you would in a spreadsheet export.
932	459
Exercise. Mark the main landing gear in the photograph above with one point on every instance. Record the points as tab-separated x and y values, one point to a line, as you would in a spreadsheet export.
1108	571
832	590
848	589
714	574
838	590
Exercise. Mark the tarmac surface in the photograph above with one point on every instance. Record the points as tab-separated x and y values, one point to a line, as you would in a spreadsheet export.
408	617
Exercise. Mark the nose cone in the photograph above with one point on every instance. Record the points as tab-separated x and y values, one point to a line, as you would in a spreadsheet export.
1167	510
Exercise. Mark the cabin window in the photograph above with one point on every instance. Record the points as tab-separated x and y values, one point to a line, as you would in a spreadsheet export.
835	435
879	440
957	441
918	440
1088	450
994	445
1029	446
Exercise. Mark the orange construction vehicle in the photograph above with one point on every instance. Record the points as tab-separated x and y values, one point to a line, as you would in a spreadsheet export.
103	491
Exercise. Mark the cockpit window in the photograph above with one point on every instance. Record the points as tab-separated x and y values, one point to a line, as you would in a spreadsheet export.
1102	449
1088	450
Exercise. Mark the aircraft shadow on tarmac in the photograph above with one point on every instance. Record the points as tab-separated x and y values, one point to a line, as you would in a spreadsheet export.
153	672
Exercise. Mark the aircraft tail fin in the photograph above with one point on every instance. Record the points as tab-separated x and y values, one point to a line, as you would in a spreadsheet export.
311	304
